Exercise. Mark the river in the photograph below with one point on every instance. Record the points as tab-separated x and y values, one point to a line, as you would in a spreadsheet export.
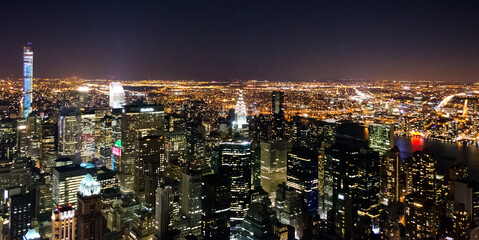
445	153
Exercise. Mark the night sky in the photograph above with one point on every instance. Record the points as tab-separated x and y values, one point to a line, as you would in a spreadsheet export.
224	40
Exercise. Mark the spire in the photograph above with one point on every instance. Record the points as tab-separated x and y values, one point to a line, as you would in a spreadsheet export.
240	111
89	186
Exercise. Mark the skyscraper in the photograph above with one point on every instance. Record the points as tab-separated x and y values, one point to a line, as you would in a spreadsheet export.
64	223
27	79
148	167
117	95
20	213
69	133
66	182
138	121
277	111
257	224
381	137
389	177
164	196
235	162
302	175
90	218
422	175
191	201
216	203
274	156
240	110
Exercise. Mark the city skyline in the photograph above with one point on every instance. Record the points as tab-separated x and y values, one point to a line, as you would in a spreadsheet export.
284	41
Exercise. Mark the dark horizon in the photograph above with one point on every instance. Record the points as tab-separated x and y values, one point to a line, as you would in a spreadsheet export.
284	41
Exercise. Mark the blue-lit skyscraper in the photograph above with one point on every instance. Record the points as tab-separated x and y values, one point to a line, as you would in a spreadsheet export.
27	79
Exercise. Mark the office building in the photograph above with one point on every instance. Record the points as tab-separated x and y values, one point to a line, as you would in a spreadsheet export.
69	133
191	201
381	137
277	112
66	182
64	223
422	175
117	95
149	166
234	161
164	197
274	155
216	203
302	175
421	217
138	121
20	212
257	225
90	218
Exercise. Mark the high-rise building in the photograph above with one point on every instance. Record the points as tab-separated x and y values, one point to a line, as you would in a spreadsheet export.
117	95
27	79
381	137
148	167
289	208
66	182
191	201
138	121
421	217
234	161
90	218
240	123
389	177
302	175
64	223
422	175
87	133
277	111
257	225
69	133
20	213
355	186
164	196
216	203
274	155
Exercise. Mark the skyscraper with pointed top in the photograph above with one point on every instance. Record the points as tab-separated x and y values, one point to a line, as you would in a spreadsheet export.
240	110
90	218
27	79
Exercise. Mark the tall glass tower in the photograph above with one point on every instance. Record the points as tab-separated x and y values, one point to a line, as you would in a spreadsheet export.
27	79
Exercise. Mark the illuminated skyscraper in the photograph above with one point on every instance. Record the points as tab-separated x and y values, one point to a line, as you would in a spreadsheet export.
64	223
277	111
138	121
235	162
164	196
66	182
240	110
389	177
302	175
422	175
274	156
216	203
191	200
69	133
90	218
27	79
381	137
117	95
